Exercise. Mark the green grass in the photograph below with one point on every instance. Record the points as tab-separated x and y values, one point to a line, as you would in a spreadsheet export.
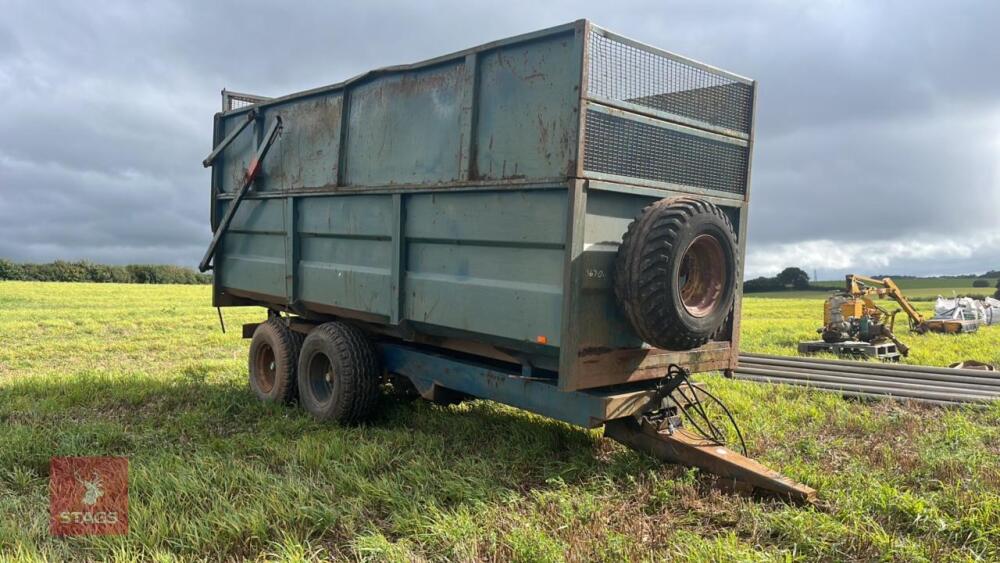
942	282
776	326
919	294
143	372
919	288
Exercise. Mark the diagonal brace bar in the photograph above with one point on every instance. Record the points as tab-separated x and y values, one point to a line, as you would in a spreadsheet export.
251	115
683	447
251	175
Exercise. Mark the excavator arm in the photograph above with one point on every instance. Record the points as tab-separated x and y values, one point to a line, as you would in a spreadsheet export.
892	290
885	287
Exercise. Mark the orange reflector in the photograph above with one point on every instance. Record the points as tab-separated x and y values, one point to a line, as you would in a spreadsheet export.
542	339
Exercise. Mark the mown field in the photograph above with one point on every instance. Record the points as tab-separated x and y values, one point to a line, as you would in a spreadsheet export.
774	323
143	372
928	288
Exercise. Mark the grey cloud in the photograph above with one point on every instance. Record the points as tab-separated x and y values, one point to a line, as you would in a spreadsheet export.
936	255
935	174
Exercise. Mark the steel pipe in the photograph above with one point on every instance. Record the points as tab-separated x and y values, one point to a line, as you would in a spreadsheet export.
872	381
880	389
876	370
868	365
945	386
988	378
875	390
951	386
859	394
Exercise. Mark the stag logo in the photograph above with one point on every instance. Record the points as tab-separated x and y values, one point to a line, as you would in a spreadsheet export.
88	495
92	490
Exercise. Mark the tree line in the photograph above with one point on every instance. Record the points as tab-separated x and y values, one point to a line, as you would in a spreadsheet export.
791	278
84	271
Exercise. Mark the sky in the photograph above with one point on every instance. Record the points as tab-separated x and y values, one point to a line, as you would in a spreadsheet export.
878	123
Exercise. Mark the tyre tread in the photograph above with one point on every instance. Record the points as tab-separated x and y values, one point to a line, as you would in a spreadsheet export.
640	271
286	345
356	366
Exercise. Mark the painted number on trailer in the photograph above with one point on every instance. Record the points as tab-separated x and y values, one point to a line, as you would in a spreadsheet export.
596	278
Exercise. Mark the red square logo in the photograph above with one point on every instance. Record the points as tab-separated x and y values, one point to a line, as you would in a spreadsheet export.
88	495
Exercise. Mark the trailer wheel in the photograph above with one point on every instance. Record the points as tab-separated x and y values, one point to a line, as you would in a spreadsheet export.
675	272
273	361
339	373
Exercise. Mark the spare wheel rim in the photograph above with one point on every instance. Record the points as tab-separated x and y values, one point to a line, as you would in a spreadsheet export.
702	276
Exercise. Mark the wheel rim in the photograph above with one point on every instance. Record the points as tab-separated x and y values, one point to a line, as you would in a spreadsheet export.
265	368
321	377
702	276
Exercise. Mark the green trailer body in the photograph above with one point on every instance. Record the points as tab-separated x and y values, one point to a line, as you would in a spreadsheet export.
475	202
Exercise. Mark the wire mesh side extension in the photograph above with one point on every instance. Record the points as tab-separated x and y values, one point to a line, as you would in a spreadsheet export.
626	147
623	72
236	100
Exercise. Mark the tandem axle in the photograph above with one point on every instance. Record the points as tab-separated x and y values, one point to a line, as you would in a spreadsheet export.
644	416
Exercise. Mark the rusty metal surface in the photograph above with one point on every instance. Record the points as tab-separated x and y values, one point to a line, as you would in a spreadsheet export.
685	448
444	198
310	145
221	146
404	128
497	112
527	116
247	182
432	371
598	367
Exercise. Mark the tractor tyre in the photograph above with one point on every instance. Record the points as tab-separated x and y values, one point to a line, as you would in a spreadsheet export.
675	273
339	373
273	362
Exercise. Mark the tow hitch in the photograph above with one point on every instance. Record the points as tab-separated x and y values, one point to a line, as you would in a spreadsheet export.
662	434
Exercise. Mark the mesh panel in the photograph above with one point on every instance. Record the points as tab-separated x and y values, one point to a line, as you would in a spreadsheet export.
625	147
619	71
233	101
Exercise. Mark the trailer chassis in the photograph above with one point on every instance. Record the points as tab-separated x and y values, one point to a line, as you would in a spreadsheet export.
643	416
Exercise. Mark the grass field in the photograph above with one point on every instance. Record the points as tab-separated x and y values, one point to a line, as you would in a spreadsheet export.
923	294
776	325
143	372
925	288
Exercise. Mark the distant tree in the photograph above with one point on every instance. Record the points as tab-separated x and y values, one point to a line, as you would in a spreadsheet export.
83	271
997	294
10	271
794	277
981	283
761	284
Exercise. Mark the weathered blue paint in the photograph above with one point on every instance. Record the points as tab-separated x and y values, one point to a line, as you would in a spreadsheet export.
527	109
450	199
588	409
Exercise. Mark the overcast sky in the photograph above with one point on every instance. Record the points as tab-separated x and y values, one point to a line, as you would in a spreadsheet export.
878	144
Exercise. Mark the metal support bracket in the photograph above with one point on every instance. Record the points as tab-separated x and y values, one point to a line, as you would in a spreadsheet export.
440	376
676	445
251	116
252	171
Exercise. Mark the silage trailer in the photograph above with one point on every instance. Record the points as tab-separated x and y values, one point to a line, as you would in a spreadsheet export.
555	221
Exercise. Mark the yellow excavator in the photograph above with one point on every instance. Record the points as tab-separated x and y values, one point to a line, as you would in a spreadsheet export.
853	315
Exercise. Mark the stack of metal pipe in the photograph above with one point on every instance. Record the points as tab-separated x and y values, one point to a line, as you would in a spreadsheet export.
944	386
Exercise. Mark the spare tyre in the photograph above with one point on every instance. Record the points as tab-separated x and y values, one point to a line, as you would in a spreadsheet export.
675	272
